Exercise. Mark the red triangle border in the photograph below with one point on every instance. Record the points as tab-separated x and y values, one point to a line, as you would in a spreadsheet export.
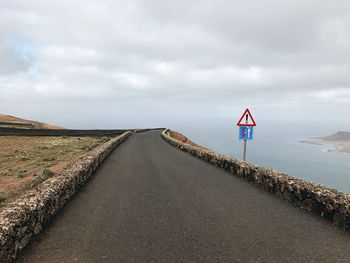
250	115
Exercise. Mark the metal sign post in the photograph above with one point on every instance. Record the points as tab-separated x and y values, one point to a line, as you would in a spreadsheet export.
245	150
246	124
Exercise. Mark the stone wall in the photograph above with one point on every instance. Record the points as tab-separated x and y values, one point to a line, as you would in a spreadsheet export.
66	132
53	132
328	203
25	217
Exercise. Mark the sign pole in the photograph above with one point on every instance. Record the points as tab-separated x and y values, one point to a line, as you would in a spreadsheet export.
245	150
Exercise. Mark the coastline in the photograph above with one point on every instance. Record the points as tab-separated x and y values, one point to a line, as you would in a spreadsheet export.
338	146
341	146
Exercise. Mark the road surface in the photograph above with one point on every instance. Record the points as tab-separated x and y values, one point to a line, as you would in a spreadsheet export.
150	202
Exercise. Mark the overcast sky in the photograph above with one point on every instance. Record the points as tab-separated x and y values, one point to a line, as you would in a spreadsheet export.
108	63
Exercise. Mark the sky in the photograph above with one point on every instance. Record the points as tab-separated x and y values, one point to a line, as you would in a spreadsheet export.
156	63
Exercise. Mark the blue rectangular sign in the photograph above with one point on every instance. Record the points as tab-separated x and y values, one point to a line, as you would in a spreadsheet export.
246	133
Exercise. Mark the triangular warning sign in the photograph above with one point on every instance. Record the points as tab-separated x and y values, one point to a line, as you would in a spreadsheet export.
246	119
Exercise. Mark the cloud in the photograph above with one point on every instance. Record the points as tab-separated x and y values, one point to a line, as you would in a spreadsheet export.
284	56
13	58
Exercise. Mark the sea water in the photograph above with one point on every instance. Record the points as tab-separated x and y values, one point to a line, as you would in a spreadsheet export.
278	147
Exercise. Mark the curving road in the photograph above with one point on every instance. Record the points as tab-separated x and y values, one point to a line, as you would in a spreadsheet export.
150	202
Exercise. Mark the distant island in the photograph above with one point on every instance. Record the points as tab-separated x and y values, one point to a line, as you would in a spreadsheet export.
338	136
339	140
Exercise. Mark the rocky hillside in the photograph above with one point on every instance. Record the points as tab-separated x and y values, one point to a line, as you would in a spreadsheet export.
180	137
338	136
8	121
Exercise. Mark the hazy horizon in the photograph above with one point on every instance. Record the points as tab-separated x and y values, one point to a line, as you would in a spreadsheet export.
111	64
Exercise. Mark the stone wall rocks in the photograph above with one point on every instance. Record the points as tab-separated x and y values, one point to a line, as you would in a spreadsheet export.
57	132
328	203
26	216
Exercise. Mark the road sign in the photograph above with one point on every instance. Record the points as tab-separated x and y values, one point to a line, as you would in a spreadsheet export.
246	124
246	133
246	119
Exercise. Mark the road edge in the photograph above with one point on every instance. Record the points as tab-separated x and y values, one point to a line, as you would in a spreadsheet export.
25	217
325	202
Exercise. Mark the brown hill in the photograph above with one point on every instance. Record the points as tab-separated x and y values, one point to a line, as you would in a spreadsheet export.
338	136
182	138
8	121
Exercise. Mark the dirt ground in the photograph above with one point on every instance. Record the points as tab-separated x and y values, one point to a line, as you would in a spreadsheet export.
25	161
178	136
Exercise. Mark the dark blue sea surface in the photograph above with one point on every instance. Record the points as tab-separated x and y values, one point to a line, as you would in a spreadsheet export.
278	146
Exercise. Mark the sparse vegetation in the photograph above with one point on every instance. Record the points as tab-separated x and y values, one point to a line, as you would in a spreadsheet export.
2	197
49	159
22	157
89	145
7	172
22	173
28	161
46	174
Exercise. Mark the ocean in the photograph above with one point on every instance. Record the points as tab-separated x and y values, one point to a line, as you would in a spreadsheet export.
278	147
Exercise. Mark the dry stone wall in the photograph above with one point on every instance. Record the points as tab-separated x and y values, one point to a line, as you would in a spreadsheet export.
57	132
65	132
25	217
325	202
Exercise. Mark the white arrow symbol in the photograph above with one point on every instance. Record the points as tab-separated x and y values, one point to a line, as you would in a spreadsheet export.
248	129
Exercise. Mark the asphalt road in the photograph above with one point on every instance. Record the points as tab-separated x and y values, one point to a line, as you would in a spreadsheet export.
150	202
